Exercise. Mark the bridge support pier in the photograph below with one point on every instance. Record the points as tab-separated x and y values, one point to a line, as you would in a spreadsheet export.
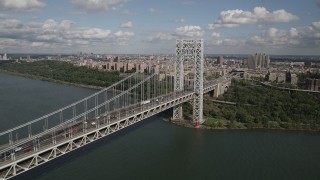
217	91
177	112
178	79
190	50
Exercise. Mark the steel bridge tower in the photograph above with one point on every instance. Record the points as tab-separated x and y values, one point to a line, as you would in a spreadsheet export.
191	50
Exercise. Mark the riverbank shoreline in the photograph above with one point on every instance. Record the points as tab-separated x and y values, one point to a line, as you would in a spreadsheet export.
50	80
188	124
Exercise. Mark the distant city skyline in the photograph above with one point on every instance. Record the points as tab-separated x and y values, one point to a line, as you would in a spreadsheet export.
286	27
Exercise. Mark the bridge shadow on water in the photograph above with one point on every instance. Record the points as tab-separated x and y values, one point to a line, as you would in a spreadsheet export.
39	171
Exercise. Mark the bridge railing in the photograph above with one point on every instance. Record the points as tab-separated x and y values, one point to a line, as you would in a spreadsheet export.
66	107
143	88
100	102
77	129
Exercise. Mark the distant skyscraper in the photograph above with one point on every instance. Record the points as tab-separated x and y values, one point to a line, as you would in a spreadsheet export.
4	57
258	61
220	60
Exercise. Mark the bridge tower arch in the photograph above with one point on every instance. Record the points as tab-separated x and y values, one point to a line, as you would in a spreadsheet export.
193	50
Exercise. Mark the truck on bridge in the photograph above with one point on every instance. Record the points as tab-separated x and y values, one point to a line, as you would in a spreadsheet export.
144	102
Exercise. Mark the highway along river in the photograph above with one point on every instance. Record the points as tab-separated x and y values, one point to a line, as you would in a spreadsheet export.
155	149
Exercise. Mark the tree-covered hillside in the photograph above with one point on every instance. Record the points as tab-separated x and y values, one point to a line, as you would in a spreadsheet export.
61	71
259	106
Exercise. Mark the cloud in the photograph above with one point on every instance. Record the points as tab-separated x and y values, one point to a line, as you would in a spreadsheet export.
21	5
295	40
223	42
153	10
126	25
122	38
259	15
189	31
307	36
276	38
180	32
215	34
96	5
9	43
216	25
315	25
20	45
55	34
294	32
181	20
162	36
3	16
39	44
127	12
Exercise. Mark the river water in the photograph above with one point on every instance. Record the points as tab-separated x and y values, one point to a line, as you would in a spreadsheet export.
155	149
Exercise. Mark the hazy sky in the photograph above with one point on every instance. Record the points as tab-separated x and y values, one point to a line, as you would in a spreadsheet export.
152	26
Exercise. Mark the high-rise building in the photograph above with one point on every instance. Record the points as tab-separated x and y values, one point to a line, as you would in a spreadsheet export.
220	60
5	56
277	76
294	79
258	61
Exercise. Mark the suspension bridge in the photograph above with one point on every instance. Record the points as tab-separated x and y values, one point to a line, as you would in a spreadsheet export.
131	100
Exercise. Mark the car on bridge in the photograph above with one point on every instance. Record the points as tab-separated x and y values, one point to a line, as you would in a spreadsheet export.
17	149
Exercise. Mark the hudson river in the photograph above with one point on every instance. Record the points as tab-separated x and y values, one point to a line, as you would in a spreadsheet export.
155	149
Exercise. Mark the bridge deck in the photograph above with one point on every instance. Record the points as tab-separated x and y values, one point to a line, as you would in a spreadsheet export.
77	134
29	153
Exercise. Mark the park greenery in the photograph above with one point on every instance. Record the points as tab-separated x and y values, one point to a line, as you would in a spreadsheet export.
62	72
262	107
